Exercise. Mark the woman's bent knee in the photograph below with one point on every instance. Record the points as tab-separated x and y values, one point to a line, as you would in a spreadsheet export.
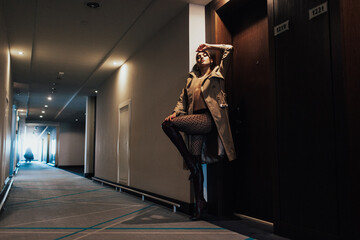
165	125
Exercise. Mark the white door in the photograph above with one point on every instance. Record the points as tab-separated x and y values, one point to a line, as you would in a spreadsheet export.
123	144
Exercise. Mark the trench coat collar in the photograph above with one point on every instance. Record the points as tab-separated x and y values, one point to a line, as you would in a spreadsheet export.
214	73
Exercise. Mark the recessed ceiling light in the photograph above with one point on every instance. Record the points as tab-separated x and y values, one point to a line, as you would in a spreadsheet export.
43	111
46	106
93	4
76	120
115	63
60	75
21	53
96	91
41	116
49	98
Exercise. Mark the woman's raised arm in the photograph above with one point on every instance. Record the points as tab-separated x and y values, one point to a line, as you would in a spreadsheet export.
225	50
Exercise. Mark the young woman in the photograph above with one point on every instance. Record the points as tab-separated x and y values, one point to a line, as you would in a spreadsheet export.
200	109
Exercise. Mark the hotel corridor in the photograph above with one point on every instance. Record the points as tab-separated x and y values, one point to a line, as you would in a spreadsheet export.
50	203
87	84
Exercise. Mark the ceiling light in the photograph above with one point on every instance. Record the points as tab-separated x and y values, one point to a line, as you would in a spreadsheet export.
93	4
46	106
21	53
76	120
42	111
49	98
96	91
60	75
115	63
41	116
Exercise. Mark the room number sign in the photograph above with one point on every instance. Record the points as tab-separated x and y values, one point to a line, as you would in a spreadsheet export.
316	11
281	28
313	12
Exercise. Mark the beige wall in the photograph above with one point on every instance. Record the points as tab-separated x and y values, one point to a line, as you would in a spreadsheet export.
5	102
71	144
152	79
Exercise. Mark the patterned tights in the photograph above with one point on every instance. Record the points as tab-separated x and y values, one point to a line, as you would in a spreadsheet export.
195	125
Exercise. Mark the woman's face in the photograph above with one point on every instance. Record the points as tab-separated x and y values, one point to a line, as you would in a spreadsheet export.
203	59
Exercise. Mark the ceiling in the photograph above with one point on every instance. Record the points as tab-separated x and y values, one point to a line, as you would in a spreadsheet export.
69	49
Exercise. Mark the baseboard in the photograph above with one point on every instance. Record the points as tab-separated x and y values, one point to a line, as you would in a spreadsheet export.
5	191
300	232
186	208
16	169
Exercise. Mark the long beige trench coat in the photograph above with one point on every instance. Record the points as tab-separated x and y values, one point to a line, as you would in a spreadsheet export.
213	90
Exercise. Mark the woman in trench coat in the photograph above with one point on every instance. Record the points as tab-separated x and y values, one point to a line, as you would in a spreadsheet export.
201	109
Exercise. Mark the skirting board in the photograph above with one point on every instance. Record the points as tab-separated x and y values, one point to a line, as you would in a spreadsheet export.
5	191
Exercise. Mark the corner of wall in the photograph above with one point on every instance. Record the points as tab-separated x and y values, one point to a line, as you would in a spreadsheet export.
5	101
196	30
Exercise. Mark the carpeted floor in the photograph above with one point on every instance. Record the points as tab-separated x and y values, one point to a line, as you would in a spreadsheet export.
50	203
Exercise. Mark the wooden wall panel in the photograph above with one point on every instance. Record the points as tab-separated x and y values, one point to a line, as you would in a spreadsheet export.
220	183
349	162
306	132
315	180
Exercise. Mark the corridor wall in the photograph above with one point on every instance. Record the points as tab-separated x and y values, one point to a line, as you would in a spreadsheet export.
5	102
71	144
152	80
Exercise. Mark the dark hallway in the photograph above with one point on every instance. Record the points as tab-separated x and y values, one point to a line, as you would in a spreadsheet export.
85	86
50	203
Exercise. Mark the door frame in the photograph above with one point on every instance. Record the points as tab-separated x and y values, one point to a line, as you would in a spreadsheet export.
215	25
120	106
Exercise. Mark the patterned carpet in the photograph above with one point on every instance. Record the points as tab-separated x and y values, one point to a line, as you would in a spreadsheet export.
50	203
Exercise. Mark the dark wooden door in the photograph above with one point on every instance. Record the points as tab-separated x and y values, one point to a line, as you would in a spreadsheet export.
251	95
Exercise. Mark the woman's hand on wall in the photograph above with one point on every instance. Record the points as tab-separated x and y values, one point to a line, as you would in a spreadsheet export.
170	117
207	46
202	47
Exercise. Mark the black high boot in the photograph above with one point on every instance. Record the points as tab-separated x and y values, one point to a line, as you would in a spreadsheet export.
199	192
179	143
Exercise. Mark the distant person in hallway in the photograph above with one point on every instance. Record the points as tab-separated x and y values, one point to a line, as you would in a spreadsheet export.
28	155
202	114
